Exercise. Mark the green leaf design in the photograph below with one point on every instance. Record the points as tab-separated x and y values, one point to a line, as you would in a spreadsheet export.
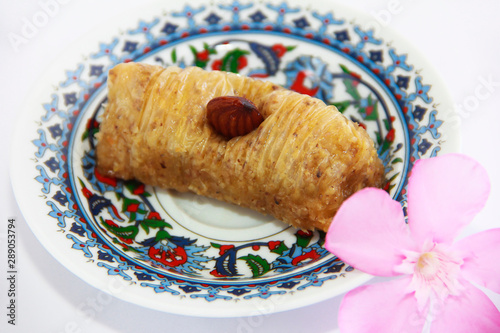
173	56
345	69
322	236
230	60
258	265
387	124
153	223
217	246
393	177
303	241
201	64
385	145
351	90
128	232
379	138
397	160
373	115
280	249
162	234
342	106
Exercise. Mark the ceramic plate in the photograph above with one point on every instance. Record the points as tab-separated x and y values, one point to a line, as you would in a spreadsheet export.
187	254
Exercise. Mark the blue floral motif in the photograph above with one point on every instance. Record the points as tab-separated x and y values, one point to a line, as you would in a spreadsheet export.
282	10
402	81
212	294
83	246
213	19
145	28
169	28
258	17
366	37
336	267
419	112
55	131
433	125
265	292
45	180
189	13
70	98
317	72
112	270
60	215
77	229
398	61
326	20
143	276
43	145
164	286
129	47
316	281
96	70
424	146
74	77
288	285
106	50
53	164
235	7
52	109
61	198
376	56
301	23
239	291
420	91
189	289
342	36
102	255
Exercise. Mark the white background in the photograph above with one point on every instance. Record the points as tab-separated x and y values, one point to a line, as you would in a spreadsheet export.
460	38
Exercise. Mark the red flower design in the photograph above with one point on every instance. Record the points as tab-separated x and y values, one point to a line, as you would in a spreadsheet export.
242	62
133	207
390	135
104	179
303	233
217	65
279	49
154	216
273	245
224	248
170	258
216	274
139	189
203	55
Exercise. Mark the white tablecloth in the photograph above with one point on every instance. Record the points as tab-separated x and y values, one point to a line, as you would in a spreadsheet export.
461	39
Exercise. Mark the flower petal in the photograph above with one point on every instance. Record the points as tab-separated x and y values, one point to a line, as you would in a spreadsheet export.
382	307
481	253
369	233
471	311
444	194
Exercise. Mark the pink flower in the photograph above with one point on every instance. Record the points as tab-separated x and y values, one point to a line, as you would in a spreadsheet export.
435	272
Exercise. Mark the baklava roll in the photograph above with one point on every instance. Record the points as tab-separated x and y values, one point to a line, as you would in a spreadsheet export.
298	165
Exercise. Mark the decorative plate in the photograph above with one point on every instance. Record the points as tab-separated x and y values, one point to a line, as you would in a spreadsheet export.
187	254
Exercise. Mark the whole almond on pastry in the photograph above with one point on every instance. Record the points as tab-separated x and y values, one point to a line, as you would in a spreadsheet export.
233	116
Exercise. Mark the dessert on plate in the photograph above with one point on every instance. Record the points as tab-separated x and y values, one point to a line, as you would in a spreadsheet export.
236	139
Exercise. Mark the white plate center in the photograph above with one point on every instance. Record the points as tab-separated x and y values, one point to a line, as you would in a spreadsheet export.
215	219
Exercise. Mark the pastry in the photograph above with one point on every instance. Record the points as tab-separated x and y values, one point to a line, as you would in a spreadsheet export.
299	163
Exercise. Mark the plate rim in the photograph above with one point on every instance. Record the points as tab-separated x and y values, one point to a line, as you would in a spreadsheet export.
17	157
